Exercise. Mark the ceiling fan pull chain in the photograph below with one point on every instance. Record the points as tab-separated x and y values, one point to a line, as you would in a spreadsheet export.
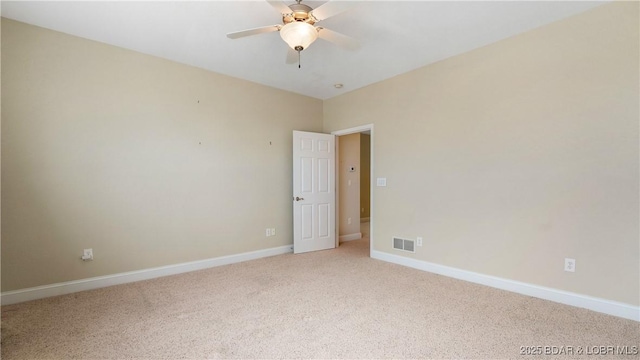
298	59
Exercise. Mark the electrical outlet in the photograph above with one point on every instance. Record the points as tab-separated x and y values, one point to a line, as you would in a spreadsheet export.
268	232
273	231
570	265
419	241
87	255
348	221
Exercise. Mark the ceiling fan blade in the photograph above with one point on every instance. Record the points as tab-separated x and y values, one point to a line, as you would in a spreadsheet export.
344	41
280	6
256	31
331	8
292	56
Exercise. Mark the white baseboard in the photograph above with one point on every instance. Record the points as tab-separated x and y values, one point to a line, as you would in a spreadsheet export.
349	237
39	292
364	220
564	297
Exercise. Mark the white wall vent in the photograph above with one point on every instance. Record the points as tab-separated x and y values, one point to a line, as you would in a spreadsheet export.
403	244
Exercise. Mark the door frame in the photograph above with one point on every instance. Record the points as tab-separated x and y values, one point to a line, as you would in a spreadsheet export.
355	130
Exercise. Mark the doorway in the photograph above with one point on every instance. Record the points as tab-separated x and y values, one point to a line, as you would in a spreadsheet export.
354	191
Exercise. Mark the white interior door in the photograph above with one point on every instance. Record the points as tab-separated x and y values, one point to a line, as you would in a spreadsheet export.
314	198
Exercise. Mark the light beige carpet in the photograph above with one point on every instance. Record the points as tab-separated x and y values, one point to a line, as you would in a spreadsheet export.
330	304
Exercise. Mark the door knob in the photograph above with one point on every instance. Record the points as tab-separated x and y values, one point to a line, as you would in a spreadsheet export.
299	198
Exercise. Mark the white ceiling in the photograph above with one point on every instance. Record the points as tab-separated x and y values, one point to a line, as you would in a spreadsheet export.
395	36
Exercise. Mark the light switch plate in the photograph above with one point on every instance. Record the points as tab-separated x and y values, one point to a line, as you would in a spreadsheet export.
570	265
381	181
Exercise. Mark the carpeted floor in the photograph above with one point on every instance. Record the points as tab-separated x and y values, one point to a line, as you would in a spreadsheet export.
329	304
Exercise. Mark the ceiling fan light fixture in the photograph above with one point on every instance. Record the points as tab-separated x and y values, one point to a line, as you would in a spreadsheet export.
299	34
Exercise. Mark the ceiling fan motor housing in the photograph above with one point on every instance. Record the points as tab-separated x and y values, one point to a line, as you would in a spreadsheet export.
299	12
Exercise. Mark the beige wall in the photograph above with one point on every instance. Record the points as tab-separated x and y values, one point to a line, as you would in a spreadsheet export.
506	159
146	161
509	158
349	183
365	175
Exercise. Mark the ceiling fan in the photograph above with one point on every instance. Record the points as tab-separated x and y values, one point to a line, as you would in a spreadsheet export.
298	28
